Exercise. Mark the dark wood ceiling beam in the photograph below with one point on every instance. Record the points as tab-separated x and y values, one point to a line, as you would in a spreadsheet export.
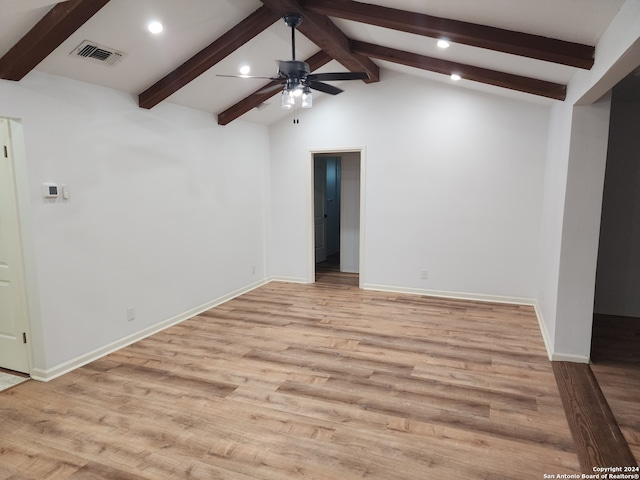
47	35
468	72
507	41
256	98
326	35
240	34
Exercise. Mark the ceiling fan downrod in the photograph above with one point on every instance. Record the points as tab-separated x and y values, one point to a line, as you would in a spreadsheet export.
293	20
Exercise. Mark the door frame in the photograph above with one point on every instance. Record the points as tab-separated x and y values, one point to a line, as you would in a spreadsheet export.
311	265
23	204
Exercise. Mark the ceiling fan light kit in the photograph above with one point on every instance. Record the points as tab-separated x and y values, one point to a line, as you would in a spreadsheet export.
297	78
306	98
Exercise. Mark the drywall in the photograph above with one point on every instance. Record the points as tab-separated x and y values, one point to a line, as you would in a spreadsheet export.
580	227
618	273
166	211
555	181
573	191
570	225
350	213
453	185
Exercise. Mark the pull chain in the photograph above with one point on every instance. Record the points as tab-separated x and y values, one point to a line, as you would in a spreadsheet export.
296	120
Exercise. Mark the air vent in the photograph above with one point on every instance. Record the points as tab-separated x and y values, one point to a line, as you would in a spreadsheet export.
97	53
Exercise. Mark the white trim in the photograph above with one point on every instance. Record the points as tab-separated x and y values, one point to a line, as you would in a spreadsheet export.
568	357
68	366
311	265
543	330
278	278
479	297
311	241
54	372
348	270
553	356
363	204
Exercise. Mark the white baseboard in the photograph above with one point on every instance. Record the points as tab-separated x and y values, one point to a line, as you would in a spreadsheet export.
545	333
568	357
61	369
479	297
276	278
58	370
349	270
553	356
551	353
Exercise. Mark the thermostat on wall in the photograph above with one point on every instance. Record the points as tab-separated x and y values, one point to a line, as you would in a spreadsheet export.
50	190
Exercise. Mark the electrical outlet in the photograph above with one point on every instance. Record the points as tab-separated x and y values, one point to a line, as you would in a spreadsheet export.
424	274
253	270
131	313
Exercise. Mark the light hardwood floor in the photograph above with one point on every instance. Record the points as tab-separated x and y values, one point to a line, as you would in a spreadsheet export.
304	382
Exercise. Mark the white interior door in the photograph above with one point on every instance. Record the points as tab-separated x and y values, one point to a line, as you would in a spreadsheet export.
319	216
13	306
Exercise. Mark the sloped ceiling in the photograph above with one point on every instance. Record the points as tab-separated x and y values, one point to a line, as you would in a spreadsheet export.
510	47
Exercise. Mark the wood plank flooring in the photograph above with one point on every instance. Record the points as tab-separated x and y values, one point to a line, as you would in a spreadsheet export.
599	441
297	381
329	272
615	354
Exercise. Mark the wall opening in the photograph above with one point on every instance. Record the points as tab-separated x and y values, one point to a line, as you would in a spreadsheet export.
336	184
616	322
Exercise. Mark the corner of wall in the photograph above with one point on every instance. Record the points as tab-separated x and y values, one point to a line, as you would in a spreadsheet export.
543	330
549	345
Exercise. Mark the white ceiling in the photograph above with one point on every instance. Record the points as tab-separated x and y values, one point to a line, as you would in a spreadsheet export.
190	25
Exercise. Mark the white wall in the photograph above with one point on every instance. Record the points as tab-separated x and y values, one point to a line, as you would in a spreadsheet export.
166	211
573	190
453	185
580	230
555	181
570	227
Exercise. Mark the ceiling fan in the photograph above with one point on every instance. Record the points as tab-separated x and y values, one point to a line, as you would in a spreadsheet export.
297	78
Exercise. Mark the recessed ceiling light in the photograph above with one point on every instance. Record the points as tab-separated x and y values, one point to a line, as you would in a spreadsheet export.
443	44
455	77
155	27
245	69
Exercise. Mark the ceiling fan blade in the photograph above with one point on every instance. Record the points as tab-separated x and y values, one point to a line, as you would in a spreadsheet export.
325	87
246	76
338	76
271	88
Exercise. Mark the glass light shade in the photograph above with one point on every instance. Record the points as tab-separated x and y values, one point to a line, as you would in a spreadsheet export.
307	101
288	100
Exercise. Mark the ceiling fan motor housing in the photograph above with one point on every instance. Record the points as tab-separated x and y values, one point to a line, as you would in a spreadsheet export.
294	68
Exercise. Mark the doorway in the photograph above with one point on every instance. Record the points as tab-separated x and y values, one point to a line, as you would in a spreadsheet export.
13	296
616	322
337	217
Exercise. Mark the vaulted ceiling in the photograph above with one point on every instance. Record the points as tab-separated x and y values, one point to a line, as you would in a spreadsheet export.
512	47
